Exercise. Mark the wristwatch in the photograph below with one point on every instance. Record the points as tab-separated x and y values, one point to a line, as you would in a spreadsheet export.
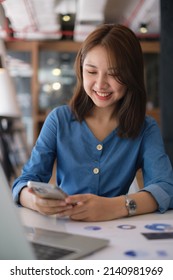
130	205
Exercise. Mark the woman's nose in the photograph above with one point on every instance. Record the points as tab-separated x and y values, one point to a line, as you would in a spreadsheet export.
101	82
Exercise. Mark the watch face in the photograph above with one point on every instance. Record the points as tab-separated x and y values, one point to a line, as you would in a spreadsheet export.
132	205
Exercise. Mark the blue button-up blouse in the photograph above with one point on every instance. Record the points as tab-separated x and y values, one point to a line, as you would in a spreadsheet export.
105	168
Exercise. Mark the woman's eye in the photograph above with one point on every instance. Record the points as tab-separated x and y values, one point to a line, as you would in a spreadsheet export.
92	72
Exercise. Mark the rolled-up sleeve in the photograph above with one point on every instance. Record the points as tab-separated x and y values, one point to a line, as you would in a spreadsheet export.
162	197
156	166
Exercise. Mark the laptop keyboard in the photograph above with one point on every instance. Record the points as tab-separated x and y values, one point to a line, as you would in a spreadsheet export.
46	252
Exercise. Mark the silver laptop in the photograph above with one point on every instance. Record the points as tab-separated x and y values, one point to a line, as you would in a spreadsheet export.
18	242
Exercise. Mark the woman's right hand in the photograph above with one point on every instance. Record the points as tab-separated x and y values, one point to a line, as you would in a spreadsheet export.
42	205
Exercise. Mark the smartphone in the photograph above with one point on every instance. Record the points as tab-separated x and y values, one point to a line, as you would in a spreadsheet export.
46	190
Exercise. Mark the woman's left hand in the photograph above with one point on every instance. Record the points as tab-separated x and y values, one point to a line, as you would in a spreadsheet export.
89	207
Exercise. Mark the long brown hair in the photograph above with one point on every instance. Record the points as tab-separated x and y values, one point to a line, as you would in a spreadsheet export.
125	56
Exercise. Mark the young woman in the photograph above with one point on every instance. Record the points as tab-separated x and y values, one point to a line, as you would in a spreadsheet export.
101	138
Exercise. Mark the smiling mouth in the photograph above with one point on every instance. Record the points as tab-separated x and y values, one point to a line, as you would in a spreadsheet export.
103	94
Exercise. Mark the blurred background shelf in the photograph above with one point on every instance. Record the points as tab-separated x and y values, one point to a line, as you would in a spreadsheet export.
34	78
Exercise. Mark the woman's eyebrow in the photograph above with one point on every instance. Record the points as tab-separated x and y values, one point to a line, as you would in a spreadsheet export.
90	65
94	66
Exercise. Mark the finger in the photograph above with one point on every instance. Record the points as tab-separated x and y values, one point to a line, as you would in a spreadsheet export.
49	202
53	210
77	199
77	209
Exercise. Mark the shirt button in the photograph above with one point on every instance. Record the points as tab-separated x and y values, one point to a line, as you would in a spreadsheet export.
99	147
96	170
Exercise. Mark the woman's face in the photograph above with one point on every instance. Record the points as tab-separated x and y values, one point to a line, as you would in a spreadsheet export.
99	81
